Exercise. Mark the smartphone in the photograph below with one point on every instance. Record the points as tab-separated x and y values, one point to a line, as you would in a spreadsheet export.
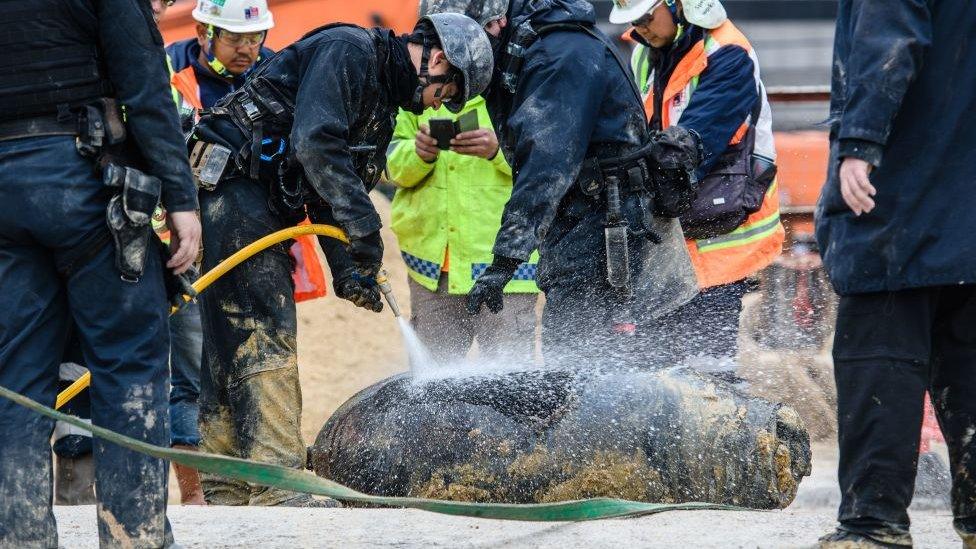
467	122
445	129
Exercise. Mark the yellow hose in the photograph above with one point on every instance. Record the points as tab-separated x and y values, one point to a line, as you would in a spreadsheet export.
220	270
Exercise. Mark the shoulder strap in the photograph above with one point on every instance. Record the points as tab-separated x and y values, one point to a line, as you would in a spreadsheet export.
624	66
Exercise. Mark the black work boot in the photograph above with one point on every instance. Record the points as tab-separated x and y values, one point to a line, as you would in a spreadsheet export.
845	539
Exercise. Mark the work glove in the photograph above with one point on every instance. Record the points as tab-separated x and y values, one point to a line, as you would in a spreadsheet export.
676	156
347	283
367	254
490	286
361	291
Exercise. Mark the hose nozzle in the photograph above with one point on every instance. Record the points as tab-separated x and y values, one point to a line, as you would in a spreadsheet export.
384	283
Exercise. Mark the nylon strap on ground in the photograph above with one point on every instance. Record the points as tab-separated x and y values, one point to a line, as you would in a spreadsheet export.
303	481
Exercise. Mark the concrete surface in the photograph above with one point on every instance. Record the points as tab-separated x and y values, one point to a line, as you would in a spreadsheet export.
218	527
810	516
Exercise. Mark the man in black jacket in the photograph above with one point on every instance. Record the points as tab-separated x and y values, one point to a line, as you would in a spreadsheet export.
307	134
568	112
61	143
895	224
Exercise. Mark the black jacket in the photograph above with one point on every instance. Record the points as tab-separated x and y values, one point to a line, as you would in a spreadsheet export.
574	100
134	61
904	99
346	84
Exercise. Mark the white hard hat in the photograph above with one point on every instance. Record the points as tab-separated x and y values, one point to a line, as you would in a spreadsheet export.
708	14
628	11
235	15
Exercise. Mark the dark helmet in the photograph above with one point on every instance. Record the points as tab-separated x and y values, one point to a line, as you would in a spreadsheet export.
482	11
468	50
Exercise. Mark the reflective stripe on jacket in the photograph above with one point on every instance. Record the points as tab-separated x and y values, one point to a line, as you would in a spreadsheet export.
756	243
451	208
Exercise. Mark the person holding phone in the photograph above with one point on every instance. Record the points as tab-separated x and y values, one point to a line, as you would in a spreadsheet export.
453	184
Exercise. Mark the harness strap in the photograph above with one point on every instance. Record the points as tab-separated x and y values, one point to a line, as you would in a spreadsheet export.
256	139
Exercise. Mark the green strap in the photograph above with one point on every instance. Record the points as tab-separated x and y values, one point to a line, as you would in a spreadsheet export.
303	481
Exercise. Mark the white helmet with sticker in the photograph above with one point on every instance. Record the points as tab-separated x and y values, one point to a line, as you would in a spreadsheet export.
708	14
240	16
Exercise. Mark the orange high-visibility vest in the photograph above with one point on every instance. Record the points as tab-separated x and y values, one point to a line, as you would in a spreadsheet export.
756	243
308	275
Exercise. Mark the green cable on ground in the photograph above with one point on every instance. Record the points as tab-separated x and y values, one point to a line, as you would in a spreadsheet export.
303	481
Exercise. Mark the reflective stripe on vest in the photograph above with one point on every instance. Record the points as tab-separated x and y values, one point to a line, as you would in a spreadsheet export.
759	225
741	253
184	83
756	243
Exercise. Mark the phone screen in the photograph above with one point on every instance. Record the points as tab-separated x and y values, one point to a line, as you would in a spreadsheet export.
443	130
467	122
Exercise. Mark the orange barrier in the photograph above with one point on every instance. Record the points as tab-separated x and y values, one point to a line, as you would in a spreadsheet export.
294	18
802	161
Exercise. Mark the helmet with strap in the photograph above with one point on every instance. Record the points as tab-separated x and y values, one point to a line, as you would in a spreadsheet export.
467	49
237	16
482	11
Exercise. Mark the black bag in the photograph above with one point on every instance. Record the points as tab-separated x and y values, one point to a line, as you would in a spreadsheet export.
732	191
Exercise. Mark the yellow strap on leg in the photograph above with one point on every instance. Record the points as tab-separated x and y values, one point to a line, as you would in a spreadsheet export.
72	390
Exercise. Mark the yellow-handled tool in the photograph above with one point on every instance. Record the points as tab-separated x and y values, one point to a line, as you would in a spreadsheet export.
239	257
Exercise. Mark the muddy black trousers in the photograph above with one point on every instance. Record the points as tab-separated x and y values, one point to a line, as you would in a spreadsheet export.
250	397
889	349
51	206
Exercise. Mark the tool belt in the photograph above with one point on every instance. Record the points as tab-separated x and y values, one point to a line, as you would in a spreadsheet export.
620	185
100	136
94	125
38	127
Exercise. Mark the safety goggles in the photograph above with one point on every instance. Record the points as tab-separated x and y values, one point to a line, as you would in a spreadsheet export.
645	19
452	77
236	40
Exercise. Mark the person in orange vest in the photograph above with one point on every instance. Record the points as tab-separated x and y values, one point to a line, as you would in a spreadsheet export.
698	71
229	44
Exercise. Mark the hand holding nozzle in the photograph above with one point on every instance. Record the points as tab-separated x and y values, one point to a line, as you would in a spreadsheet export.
384	283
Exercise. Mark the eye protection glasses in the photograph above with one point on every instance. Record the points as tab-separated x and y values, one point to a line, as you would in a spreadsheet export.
236	40
645	19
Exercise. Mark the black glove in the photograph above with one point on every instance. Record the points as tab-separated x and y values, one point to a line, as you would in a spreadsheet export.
490	286
362	291
347	283
367	254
